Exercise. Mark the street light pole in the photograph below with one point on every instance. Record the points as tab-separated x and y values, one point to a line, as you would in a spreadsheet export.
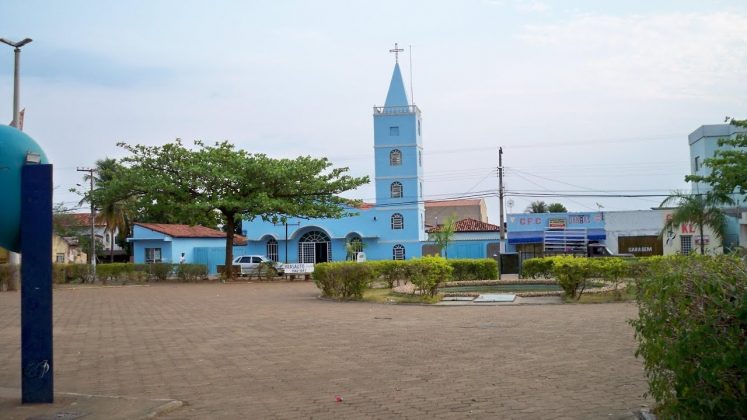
13	257
16	77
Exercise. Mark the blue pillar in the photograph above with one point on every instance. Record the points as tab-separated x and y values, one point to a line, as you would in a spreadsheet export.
36	284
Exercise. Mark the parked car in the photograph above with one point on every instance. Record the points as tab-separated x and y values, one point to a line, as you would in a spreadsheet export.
250	265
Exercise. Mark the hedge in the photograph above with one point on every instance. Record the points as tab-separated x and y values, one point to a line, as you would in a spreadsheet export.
343	280
128	272
691	329
474	269
427	272
390	271
572	273
9	277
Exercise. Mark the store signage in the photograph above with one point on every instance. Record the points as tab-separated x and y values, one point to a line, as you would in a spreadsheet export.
556	224
706	240
298	268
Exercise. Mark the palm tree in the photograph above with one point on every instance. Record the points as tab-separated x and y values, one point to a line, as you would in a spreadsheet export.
537	207
700	210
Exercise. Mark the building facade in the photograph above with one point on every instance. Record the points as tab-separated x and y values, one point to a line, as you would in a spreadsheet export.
391	228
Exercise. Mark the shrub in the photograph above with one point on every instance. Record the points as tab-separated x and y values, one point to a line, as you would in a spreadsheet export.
535	267
160	271
9	275
613	270
426	273
571	273
390	271
691	335
474	269
58	274
343	280
191	272
77	273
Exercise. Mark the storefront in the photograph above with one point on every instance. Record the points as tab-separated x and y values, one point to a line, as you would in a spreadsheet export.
537	234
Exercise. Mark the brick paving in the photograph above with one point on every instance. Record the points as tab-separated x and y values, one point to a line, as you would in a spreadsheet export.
276	351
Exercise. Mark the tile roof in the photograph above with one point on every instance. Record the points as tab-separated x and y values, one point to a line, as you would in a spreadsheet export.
452	203
470	225
78	220
187	231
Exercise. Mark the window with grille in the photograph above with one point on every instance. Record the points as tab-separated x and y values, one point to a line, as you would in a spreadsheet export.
60	257
395	157
272	249
152	255
398	252
396	189
398	222
686	244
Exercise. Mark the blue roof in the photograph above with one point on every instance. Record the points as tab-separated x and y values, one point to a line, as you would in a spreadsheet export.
397	96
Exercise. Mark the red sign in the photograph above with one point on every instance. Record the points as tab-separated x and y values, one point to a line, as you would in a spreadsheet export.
556	224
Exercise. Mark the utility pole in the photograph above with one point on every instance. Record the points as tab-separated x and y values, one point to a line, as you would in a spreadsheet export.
501	193
93	219
502	229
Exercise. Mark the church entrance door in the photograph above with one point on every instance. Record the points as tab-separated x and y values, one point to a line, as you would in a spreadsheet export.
314	247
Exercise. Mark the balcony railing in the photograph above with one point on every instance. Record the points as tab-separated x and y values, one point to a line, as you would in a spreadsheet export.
388	110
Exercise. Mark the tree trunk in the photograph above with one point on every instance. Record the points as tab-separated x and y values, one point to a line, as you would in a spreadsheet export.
111	247
228	268
702	244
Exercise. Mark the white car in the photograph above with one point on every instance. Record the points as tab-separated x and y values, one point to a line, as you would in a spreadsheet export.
250	264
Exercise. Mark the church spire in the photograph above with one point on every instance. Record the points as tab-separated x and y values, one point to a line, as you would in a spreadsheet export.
397	96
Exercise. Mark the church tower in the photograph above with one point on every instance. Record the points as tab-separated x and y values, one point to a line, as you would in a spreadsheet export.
399	167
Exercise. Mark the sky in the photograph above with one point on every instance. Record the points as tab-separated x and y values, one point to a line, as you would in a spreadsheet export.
584	97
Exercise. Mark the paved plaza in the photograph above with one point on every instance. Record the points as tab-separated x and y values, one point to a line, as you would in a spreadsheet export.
275	350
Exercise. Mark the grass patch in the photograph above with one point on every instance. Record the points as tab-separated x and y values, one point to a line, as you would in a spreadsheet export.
387	296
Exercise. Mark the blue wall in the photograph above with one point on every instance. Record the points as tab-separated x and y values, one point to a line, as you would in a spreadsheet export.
530	227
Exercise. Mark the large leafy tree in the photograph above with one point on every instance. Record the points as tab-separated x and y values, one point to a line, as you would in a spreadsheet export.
700	210
728	166
556	208
221	184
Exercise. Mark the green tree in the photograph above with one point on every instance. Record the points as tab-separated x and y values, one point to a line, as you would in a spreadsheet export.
700	210
225	185
443	234
556	208
728	165
537	207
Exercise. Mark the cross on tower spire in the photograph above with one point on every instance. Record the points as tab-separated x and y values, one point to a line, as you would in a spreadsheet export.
396	52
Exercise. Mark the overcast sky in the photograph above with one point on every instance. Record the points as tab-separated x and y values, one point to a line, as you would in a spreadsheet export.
582	95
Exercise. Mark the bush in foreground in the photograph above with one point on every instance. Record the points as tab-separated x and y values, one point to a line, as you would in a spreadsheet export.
691	330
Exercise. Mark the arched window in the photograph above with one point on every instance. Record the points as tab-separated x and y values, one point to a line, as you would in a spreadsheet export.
398	252
395	157
398	222
353	246
272	249
396	189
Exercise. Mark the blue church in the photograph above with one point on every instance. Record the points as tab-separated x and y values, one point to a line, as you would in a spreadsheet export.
391	228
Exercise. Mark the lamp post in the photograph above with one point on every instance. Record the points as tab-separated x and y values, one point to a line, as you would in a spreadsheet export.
15	258
16	83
